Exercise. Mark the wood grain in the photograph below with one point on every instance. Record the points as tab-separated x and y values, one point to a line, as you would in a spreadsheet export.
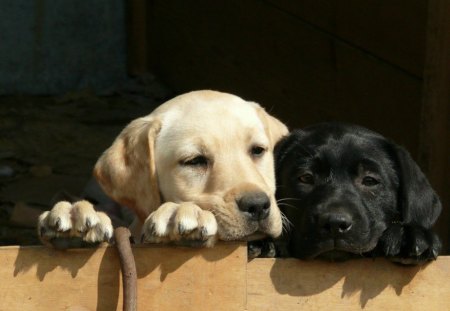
393	31
219	278
434	147
290	284
38	278
137	62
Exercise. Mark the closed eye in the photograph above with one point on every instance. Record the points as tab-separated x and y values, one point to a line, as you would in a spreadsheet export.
370	181
257	151
196	161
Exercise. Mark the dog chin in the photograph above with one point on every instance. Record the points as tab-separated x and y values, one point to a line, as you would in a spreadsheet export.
248	230
258	235
266	228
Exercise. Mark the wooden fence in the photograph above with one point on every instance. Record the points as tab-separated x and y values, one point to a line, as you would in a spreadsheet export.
219	278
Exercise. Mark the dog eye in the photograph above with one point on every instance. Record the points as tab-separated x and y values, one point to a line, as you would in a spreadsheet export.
197	161
257	151
369	181
306	179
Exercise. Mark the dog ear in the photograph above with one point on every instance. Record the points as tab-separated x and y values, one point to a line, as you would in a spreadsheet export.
284	147
126	170
274	128
418	202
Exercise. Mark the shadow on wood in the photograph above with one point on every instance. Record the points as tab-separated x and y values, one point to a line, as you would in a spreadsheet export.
94	271
167	261
369	284
218	278
40	278
368	277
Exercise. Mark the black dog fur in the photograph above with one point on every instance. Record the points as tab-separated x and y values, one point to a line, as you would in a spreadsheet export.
349	192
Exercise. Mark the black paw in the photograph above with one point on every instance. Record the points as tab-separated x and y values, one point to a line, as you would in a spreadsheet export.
261	249
409	244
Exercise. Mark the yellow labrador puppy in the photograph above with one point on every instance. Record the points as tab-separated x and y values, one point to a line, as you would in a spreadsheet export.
198	168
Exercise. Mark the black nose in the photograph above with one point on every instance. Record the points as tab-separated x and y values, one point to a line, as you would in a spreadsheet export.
255	204
335	223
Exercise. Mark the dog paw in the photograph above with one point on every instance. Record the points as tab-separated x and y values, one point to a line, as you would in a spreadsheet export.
69	225
184	224
409	244
261	249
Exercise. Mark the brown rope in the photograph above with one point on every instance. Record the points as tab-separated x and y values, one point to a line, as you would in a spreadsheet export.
128	267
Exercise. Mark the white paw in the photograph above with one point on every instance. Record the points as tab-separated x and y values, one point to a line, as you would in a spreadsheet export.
72	221
184	223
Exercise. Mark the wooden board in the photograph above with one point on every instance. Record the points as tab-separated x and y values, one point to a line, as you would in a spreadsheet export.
290	284
391	30
37	278
434	148
137	54
220	278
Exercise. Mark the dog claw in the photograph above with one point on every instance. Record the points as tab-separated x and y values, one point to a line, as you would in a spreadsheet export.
106	237
415	252
203	232
58	224
389	250
151	230
434	253
182	230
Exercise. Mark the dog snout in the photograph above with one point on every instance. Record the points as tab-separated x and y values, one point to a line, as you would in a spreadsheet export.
255	204
335	223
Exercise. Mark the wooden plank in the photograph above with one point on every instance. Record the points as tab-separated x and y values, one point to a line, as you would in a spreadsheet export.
290	284
393	30
137	44
298	73
219	278
434	148
38	278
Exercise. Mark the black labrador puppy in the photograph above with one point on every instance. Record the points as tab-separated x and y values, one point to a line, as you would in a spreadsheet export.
348	191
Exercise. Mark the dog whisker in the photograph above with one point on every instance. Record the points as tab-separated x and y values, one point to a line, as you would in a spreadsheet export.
288	199
286	204
286	223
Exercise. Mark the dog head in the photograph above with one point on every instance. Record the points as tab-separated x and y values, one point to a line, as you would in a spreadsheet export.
341	186
209	148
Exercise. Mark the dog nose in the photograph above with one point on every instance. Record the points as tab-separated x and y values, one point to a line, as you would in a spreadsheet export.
255	204
336	223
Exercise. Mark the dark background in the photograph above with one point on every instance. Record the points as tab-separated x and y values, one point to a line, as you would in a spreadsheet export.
72	73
